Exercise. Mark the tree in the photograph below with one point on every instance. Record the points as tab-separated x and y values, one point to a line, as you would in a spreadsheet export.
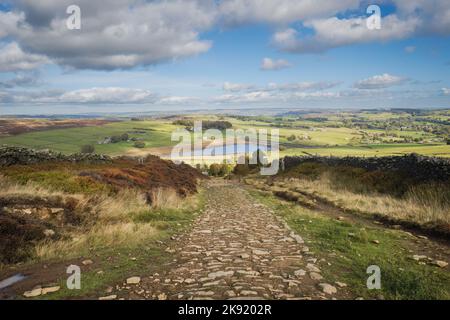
292	138
87	148
139	144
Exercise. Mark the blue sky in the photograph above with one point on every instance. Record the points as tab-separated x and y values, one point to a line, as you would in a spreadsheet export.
179	55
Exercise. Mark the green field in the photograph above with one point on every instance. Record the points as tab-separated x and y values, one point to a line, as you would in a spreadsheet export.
157	134
339	133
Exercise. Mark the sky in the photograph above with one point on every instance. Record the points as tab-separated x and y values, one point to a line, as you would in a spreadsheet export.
174	55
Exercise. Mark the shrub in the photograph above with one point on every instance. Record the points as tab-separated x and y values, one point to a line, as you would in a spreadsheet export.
139	144
219	170
291	138
115	139
87	148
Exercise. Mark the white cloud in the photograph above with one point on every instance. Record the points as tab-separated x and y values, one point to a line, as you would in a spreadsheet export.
303	86
380	81
116	35
177	100
446	91
229	86
108	95
124	34
269	64
13	59
235	12
334	32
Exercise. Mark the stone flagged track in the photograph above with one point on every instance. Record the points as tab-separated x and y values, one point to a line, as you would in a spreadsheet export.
236	249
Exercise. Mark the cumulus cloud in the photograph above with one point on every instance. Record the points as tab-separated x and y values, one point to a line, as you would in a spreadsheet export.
21	80
177	100
13	59
235	12
123	34
276	93
303	86
334	32
269	64
117	34
380	82
90	96
107	95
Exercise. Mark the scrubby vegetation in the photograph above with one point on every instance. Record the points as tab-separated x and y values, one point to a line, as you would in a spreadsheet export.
206	124
59	209
350	247
390	195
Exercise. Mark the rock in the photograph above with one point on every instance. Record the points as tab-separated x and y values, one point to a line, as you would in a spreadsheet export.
219	274
230	294
248	293
33	293
204	293
49	232
422	237
341	284
315	276
440	263
299	273
244	256
297	238
419	257
376	241
162	296
50	289
189	281
327	288
211	284
312	268
133	280
260	252
111	297
252	273
87	262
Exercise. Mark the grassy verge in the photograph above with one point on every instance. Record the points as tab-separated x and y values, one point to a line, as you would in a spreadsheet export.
350	249
132	258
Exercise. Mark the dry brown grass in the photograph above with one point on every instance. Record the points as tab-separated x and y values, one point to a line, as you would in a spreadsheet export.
110	219
164	198
100	236
415	207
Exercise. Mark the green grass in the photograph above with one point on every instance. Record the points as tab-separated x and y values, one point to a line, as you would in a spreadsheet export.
350	255
68	141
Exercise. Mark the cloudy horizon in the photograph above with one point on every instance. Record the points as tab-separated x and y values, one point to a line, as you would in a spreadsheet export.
137	56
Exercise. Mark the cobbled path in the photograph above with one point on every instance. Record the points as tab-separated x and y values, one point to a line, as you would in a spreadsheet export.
237	249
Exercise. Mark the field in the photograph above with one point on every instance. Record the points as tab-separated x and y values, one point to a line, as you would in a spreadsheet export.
335	133
153	133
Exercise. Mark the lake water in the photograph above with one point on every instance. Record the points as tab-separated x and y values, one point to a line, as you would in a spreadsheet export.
231	149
